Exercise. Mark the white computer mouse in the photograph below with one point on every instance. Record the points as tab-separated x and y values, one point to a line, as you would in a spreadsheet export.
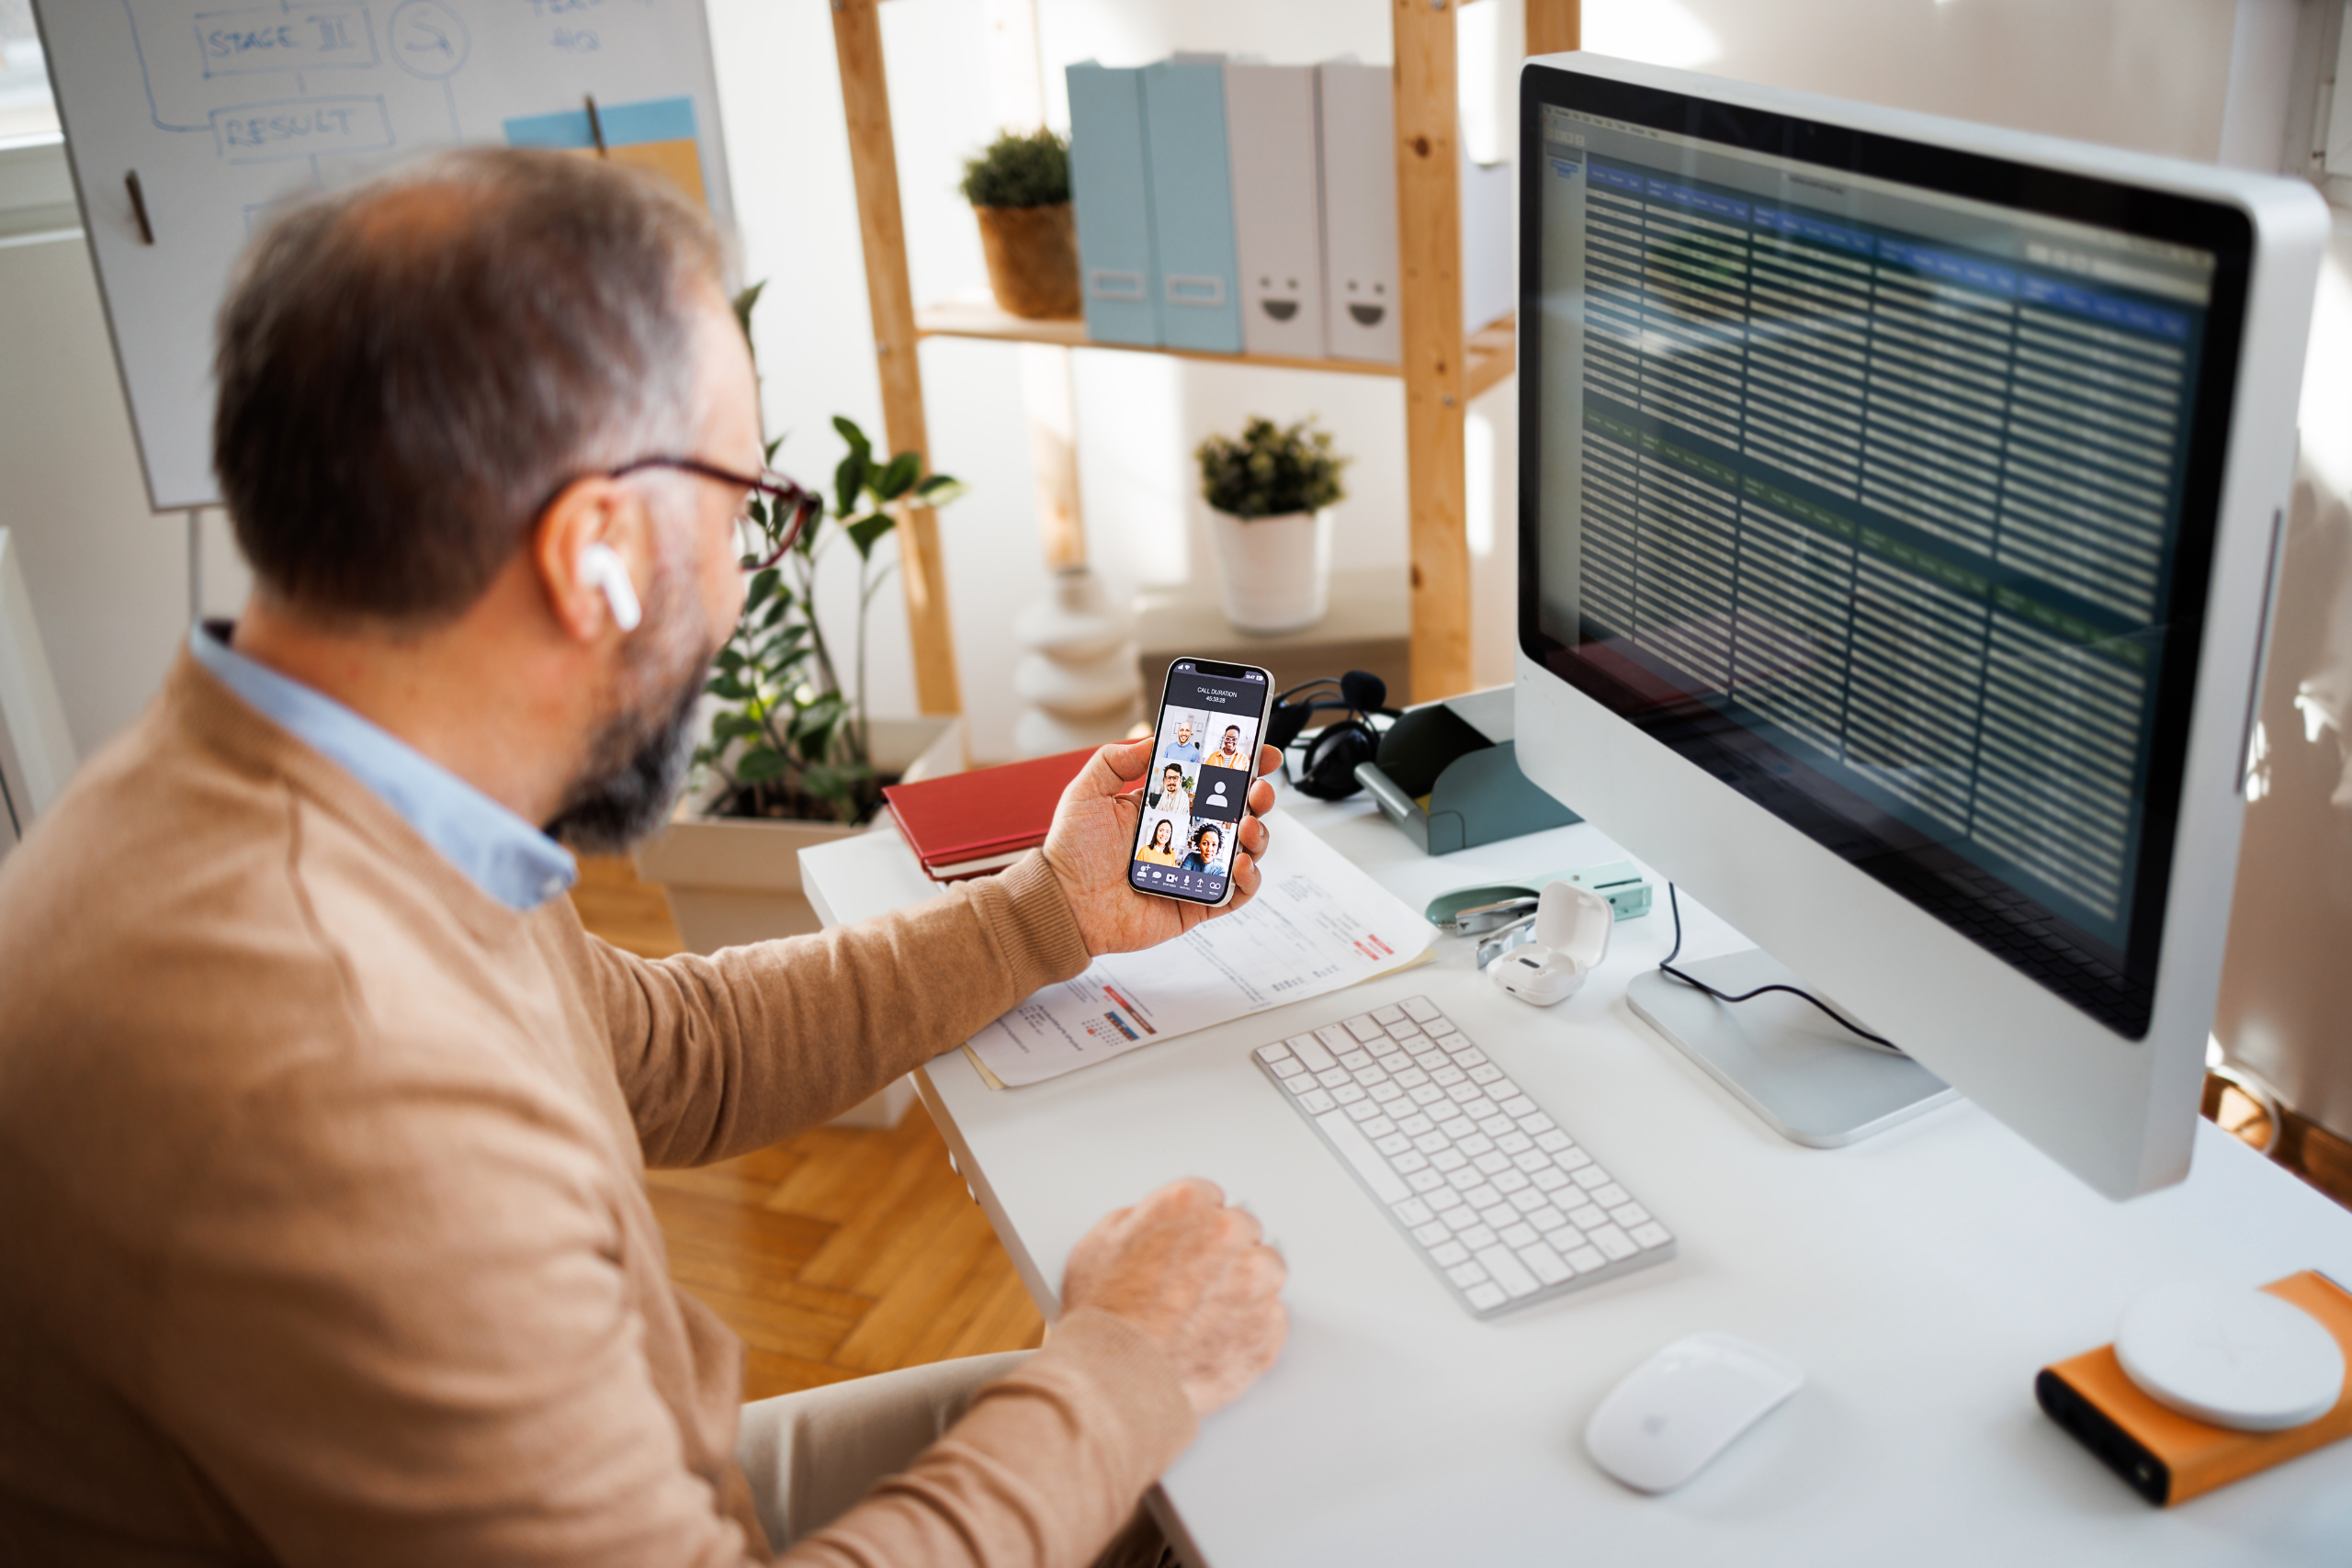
1680	1408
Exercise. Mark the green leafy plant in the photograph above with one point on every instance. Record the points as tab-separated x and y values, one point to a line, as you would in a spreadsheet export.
1019	170
1272	471
791	737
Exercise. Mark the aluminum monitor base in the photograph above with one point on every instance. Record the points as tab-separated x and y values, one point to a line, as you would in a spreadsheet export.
1810	1081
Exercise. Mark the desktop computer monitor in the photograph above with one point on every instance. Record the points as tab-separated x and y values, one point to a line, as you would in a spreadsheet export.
1898	507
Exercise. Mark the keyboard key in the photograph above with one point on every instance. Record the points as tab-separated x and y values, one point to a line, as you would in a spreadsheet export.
1291	1067
1455	1126
1427	1094
1406	1030
1448	1076
1407	1162
1359	1108
1274	1052
1388	1015
1477	1237
1444	1157
1415	1125
1508	1180
1423	1181
1459	1218
1483	1198
1385	1183
1355	1061
1487	1074
1588	1178
1612	1241
1545	1264
1431	1234
1465	1176
1535	1162
1585	1259
1517	1106
1513	1143
1332	1077
1421	1010
1346	1093
1476	1144
1547	1220
1499	1218
1432	1060
1537	1124
1479	1108
1310	1050
1335	1038
1379	1127
1649	1235
1392	1145
1467	1055
1486	1297
1439	1028
1387	1093
1551	1181
1493	1163
1609	1197
1409	1078
1393	1062
1507	1270
1449	1253
1315	1102
1363	1028
1584	1217
1462	1094
1432	1143
1519	1236
1630	1214
1442	1199
1552	1142
1413	1212
1571	1158
1465	1274
1527	1200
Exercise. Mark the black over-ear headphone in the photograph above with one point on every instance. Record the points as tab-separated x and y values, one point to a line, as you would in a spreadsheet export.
1329	769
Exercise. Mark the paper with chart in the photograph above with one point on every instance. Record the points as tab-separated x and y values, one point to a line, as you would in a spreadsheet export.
1317	924
223	108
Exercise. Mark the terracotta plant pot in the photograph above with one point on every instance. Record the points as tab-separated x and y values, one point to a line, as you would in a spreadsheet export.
1033	258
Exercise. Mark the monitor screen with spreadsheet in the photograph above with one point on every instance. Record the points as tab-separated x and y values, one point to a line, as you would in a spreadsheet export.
1880	480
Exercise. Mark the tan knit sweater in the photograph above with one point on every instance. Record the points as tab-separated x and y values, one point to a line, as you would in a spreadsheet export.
323	1236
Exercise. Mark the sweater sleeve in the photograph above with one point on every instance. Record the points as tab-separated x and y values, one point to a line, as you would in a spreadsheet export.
728	1053
1042	1470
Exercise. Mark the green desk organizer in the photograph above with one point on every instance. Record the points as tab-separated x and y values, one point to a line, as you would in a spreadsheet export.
1477	796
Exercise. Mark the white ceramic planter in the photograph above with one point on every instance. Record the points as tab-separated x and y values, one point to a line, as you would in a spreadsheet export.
1274	574
735	880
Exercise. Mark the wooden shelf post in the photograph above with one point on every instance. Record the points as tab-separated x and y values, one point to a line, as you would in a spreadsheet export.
1429	223
1554	27
874	160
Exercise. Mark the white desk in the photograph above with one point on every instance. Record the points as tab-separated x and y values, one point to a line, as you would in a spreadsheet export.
1921	1278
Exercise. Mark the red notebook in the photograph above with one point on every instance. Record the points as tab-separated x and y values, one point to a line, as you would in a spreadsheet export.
970	824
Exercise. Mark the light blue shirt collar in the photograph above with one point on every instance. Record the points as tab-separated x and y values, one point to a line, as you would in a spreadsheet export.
503	855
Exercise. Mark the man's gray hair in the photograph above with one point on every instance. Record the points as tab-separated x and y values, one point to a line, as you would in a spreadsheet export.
410	370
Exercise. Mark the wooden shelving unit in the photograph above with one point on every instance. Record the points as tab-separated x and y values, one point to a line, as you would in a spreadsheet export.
1443	366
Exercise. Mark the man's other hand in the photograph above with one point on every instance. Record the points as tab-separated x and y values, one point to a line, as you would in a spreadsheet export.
1094	833
1198	1277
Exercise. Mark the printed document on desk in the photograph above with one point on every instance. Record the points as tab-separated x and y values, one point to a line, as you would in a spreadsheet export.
1318	925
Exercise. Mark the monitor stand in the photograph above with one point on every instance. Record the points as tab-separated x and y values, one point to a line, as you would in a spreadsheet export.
1811	1081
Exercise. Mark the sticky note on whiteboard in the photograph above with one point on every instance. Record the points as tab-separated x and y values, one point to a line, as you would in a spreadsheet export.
658	134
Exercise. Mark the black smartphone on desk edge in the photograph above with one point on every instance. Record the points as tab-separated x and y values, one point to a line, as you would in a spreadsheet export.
1203	760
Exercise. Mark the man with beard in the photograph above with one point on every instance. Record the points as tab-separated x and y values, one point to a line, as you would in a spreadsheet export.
323	1123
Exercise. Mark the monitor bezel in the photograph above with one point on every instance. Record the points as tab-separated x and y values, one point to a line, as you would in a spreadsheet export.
2117	988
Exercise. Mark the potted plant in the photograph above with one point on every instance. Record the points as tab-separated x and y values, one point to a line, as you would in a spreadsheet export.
1019	189
1271	494
792	757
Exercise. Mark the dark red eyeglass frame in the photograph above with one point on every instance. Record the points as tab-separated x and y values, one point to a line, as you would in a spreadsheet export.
781	489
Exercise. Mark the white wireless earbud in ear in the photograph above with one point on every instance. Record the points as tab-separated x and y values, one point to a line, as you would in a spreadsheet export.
601	567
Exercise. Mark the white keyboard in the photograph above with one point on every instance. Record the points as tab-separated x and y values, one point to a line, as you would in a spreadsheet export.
1486	1187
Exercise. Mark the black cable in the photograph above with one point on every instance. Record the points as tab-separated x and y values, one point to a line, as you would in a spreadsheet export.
1666	966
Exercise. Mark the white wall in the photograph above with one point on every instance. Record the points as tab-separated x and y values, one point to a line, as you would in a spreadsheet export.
110	580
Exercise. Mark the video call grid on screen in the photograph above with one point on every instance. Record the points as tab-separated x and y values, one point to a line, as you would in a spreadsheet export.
1203	762
1897	481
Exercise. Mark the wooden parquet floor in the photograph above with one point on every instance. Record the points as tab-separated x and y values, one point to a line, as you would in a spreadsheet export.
843	1251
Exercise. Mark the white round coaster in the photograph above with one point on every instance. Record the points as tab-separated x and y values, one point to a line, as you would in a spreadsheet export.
2230	1356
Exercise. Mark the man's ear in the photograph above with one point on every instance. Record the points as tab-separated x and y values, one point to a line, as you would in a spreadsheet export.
578	580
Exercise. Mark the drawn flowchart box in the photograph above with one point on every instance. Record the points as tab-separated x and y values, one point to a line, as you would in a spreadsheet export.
271	37
299	127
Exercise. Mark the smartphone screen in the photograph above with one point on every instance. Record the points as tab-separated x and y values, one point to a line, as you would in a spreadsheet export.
1203	759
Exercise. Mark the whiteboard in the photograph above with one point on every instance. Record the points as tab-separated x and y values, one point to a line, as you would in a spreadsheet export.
224	107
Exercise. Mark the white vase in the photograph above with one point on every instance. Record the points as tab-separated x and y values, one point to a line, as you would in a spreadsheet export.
1077	680
1274	574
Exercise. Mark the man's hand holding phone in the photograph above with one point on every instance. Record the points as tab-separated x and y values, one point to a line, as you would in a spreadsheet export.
1090	845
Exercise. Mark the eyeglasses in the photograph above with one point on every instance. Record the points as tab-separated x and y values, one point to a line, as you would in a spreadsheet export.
781	490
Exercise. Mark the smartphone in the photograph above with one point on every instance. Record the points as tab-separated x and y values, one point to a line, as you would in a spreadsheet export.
1203	760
